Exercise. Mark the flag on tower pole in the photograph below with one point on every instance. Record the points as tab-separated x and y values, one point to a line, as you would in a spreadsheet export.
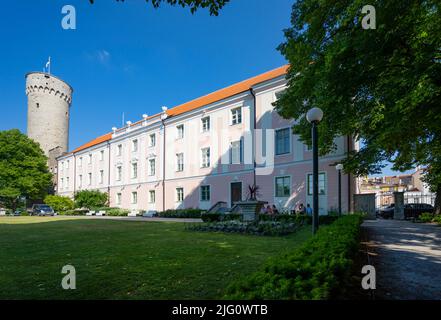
48	65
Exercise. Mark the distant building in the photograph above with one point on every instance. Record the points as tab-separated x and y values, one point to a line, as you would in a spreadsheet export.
206	151
415	190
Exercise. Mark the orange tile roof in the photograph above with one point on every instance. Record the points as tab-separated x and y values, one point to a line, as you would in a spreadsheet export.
228	91
203	101
94	142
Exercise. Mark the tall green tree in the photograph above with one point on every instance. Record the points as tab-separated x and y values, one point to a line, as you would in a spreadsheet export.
380	85
213	5
23	168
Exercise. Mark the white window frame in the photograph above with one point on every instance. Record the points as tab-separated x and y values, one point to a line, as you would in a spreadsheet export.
101	176
67	164
67	182
236	116
178	194
275	186
152	140
309	186
89	179
150	171
134	168
135	145
118	198
102	155
119	173
240	151
152	199
80	181
180	131
179	163
119	150
89	161
205	124
205	156
134	196
201	199
289	142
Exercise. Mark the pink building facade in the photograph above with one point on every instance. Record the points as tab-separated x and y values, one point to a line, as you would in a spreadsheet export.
208	150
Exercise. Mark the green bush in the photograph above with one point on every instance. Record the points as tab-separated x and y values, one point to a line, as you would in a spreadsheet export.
90	199
437	218
213	217
259	228
426	217
59	203
181	213
319	269
323	220
70	213
116	212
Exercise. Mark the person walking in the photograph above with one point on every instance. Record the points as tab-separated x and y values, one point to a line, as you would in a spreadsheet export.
308	210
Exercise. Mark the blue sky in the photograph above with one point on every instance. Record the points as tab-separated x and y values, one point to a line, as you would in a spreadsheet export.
128	57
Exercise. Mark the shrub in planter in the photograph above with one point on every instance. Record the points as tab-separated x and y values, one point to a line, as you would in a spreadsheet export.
117	212
262	228
319	269
213	217
426	217
437	218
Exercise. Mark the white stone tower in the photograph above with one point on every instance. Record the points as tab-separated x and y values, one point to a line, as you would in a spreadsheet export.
49	100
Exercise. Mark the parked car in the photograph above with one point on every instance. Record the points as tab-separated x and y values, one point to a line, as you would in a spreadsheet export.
41	210
414	210
387	212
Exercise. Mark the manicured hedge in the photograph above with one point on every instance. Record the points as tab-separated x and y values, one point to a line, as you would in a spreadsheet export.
181	213
323	220
258	228
319	269
213	217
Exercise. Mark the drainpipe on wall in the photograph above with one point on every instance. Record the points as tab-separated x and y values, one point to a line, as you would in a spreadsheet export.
163	165
253	135
75	174
108	174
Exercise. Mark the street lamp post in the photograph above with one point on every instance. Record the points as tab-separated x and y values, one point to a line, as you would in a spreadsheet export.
339	168
314	116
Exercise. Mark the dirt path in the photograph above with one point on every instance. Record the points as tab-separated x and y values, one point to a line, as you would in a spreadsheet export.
407	259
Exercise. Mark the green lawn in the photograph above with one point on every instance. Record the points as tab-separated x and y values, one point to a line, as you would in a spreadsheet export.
126	259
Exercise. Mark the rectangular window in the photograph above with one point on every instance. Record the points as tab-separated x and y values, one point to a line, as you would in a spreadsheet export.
180	162
67	164
179	194
118	198
152	196
205	157
118	173
80	180
282	141
152	140
101	176
236	152
80	162
236	116
90	159
135	145
89	181
67	183
119	150
102	155
180	131
134	197
62	184
283	187
205	124
321	183
134	170
152	167
205	193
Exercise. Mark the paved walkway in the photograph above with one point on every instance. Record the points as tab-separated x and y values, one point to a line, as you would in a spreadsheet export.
407	259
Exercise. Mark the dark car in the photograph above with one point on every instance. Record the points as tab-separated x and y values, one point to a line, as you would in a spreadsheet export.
387	212
414	210
41	210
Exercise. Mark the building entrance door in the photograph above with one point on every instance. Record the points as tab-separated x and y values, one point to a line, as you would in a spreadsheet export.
236	192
